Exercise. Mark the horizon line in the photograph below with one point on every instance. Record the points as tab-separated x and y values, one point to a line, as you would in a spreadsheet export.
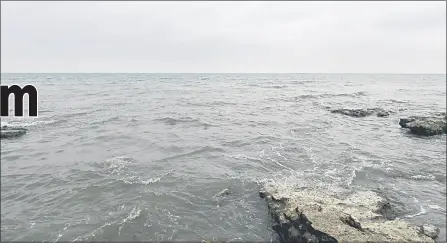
217	73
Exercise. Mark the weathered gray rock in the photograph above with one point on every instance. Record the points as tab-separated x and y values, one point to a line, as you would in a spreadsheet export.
424	125
430	230
362	112
308	215
9	132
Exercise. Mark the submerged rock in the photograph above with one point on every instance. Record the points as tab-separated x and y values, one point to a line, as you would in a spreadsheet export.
307	215
362	112
9	132
426	126
222	193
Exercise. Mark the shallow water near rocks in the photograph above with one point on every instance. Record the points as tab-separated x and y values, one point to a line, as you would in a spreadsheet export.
142	156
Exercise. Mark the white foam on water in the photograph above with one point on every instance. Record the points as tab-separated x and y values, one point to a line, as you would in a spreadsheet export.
92	233
119	166
139	180
133	214
29	123
436	207
423	177
421	209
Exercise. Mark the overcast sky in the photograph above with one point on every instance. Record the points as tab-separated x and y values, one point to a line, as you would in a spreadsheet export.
322	37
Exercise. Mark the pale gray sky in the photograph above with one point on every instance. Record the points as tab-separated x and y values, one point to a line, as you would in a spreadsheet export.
354	37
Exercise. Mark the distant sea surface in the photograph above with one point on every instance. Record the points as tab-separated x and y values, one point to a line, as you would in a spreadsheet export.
141	156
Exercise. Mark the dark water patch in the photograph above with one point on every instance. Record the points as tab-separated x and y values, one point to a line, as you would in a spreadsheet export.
236	143
275	87
185	121
174	121
108	120
74	114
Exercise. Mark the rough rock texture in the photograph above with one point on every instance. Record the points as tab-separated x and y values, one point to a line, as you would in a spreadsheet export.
424	125
430	230
363	112
9	132
316	216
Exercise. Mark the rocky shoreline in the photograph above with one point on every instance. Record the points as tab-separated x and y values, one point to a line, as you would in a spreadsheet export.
310	215
316	215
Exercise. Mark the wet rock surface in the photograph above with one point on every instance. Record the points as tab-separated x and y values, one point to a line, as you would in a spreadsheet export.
10	132
309	215
430	230
379	112
425	125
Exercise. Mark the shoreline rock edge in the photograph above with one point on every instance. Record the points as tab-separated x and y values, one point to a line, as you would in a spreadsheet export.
314	216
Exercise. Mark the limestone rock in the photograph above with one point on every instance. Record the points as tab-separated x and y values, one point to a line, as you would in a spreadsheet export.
424	125
310	215
430	230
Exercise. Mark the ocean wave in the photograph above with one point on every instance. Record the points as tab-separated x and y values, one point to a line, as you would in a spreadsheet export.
119	169
110	119
398	101
75	114
436	207
132	215
236	143
275	86
206	149
28	123
139	180
422	210
183	120
264	139
428	177
213	104
326	95
220	103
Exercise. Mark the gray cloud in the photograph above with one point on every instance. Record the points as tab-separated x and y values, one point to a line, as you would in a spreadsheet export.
408	37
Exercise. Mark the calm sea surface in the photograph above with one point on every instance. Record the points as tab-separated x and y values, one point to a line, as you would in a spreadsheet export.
141	156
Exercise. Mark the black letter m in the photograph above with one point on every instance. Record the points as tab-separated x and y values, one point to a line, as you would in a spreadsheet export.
18	98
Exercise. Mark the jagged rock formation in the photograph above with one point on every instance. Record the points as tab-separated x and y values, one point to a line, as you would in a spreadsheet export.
307	215
362	112
424	125
9	132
